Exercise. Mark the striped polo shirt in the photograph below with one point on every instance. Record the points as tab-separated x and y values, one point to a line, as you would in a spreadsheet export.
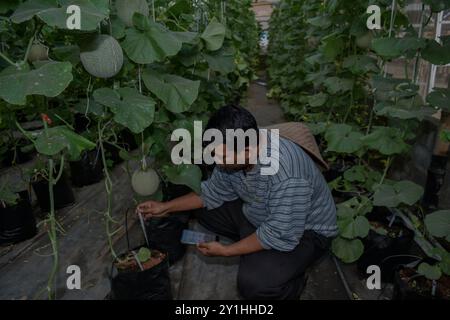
280	206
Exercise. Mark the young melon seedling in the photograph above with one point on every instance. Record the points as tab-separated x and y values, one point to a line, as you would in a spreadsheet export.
144	255
145	182
38	52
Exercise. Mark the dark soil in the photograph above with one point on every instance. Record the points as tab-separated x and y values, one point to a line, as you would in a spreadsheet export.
129	264
423	286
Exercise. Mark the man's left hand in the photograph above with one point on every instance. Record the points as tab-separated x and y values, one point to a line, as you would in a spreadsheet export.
213	249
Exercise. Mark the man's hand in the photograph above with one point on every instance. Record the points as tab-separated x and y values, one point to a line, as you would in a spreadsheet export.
213	249
151	209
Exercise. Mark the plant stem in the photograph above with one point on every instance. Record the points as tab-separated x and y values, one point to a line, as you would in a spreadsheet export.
8	60
386	169
108	188
52	232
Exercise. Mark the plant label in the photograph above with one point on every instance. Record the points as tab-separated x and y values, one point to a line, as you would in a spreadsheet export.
374	280
73	22
74	280
374	20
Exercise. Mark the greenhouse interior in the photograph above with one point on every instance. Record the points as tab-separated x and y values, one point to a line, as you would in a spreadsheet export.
224	150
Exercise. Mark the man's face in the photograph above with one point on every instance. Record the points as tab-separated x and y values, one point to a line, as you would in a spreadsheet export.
231	161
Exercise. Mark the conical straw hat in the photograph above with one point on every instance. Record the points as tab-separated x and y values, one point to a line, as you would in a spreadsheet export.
301	135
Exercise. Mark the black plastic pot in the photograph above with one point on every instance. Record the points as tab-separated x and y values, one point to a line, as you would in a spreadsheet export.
405	290
88	170
150	284
62	191
165	233
387	252
17	223
20	157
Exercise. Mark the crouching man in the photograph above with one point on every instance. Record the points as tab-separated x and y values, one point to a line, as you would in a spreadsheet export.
281	223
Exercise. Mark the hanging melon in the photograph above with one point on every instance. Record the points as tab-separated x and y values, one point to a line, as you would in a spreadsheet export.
364	41
145	182
102	57
127	8
38	52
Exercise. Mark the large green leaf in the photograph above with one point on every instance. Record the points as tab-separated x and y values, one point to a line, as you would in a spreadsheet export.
214	35
49	79
391	48
54	13
176	92
148	41
221	60
350	228
386	140
317	100
347	250
332	47
342	138
131	109
440	98
438	223
402	192
436	53
338	85
404	109
185	174
359	64
60	138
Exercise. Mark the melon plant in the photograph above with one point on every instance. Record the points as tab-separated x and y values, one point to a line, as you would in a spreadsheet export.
127	8
145	182
38	52
102	57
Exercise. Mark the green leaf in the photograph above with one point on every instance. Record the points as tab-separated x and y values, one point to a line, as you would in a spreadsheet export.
341	138
131	109
402	192
144	254
49	79
436	53
185	174
54	13
221	60
177	93
214	35
440	98
347	250
391	48
430	272
318	100
61	138
403	109
359	64
438	223
353	228
149	41
7	196
386	140
438	5
355	174
338	85
332	47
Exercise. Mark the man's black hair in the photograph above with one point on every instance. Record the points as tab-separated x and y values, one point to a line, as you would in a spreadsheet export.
232	117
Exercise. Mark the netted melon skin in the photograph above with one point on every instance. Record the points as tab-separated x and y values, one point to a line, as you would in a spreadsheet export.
102	57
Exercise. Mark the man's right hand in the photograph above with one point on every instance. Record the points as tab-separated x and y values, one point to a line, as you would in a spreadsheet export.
151	209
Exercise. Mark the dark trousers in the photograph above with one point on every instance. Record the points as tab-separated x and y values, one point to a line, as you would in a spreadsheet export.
267	274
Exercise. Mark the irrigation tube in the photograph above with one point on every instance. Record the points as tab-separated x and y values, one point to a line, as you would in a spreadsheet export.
343	280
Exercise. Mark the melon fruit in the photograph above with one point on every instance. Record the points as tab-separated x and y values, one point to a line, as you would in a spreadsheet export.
102	57
145	182
364	41
127	8
38	52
